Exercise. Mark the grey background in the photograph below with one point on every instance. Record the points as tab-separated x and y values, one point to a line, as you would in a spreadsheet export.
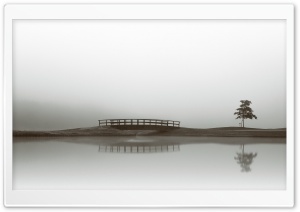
69	74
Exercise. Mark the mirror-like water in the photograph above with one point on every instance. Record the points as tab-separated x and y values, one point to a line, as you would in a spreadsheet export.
149	163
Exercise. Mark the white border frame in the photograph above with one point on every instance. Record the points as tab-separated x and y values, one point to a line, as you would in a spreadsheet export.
148	198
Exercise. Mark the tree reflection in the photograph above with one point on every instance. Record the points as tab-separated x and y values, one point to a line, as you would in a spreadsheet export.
245	159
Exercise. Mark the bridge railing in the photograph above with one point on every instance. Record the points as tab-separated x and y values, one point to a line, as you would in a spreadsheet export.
138	122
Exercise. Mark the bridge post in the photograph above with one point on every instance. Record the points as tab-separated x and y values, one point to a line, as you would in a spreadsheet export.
106	122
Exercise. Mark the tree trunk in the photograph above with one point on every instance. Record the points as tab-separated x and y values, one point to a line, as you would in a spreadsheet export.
244	118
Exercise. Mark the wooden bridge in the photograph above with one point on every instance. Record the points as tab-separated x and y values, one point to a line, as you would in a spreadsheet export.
138	123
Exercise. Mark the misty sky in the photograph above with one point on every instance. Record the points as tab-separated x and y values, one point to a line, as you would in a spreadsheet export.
70	73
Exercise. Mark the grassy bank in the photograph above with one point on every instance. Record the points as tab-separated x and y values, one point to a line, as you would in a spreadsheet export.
110	131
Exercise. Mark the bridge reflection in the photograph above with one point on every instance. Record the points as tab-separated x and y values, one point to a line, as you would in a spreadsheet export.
138	148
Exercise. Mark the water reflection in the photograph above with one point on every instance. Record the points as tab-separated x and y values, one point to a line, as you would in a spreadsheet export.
69	163
245	159
138	148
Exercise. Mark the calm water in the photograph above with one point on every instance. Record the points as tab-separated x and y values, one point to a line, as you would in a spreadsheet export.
149	163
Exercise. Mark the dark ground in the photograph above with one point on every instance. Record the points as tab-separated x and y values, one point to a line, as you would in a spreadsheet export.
158	131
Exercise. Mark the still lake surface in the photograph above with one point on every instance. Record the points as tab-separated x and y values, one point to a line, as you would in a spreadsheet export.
149	163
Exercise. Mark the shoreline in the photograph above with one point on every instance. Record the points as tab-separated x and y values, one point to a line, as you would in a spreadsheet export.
158	131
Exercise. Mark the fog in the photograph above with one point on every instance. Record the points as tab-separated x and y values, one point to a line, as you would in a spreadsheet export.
71	73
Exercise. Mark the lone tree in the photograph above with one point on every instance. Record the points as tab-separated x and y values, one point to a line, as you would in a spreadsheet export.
244	111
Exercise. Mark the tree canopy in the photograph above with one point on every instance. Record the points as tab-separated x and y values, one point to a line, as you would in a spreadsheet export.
245	111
